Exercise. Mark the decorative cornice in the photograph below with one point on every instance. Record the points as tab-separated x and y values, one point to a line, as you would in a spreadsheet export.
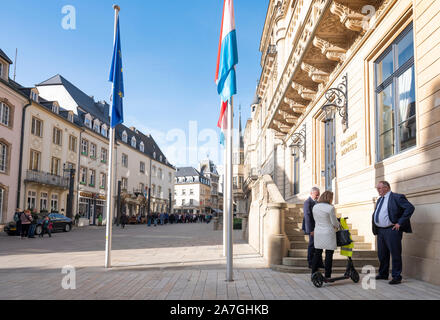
315	74
352	20
331	51
304	92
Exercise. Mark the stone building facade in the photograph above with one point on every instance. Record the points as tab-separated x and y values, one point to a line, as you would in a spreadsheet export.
192	192
348	96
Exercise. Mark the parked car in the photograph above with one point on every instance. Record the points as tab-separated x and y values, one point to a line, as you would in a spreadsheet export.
60	224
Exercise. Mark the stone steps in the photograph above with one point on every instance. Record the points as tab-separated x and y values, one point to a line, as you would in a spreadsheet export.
298	224
296	236
301	270
337	262
304	245
357	254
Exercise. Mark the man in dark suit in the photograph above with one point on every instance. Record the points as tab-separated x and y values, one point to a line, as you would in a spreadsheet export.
309	224
391	218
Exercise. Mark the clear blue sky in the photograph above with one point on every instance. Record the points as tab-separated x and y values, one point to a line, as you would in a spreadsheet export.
169	54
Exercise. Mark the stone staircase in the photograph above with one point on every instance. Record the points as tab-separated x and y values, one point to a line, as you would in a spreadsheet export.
296	261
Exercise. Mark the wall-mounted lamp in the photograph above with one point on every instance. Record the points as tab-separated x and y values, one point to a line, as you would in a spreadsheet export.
337	101
299	142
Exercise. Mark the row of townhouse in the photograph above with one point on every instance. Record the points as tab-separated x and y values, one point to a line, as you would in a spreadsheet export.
53	127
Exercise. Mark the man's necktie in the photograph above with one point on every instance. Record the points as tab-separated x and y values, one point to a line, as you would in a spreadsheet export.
376	216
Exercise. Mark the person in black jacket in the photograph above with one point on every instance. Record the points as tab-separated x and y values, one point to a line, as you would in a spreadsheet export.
309	225
391	218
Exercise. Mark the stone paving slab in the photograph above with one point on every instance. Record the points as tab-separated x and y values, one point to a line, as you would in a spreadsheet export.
172	262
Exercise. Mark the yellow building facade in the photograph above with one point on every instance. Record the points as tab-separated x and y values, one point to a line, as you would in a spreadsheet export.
349	95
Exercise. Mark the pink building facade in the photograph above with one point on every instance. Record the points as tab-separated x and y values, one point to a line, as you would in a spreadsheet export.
12	102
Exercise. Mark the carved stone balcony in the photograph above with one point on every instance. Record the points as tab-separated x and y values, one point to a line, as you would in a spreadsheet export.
48	179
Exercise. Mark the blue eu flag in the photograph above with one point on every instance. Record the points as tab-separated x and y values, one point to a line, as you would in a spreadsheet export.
116	77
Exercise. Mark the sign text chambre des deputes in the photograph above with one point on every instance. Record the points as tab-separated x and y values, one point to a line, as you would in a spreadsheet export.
349	144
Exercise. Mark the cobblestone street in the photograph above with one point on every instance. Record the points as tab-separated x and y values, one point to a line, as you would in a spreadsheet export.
169	262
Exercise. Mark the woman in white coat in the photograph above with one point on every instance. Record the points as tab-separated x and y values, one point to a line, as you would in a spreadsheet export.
326	225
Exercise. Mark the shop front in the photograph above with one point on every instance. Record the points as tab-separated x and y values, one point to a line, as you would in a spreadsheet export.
91	207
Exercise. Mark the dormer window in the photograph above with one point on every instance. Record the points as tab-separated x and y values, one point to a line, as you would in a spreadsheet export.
154	155
55	109
96	126
142	147
34	96
2	67
133	142
70	117
124	136
88	121
104	130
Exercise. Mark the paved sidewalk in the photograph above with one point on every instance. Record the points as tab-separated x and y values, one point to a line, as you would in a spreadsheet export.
168	262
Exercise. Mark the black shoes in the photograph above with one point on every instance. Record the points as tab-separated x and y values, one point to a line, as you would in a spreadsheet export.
395	281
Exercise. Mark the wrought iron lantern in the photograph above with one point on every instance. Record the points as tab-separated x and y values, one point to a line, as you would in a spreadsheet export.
337	101
299	142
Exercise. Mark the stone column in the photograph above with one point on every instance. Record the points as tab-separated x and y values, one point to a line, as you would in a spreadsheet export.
278	241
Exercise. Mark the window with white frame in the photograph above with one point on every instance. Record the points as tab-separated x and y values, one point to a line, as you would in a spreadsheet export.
159	192
55	109
124	183
55	167
70	117
43	201
54	203
88	121
93	151
3	157
37	127
124	160
159	174
142	167
142	147
133	142
103	181
153	169
57	136
104	155
83	176
92	178
96	126
34	96
72	143
395	97
31	200
34	161
84	147
1	76
5	113
170	177
104	130
124	137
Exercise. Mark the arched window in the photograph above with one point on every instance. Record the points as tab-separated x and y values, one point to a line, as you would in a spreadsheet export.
133	142
124	136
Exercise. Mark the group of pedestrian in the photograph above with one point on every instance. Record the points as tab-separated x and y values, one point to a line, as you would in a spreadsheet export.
163	218
391	218
26	224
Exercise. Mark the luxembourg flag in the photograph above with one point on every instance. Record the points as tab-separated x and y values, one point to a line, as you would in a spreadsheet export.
225	77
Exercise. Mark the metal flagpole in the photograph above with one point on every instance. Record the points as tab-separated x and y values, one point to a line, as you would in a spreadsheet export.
225	194
230	208
109	224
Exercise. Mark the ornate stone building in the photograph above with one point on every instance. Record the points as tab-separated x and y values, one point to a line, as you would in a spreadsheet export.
348	96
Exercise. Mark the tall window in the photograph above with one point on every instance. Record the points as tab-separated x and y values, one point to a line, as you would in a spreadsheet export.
104	155
124	160
395	96
124	137
31	200
1	76
159	192
133	142
34	163
83	176
3	158
159	174
96	126
2	197
92	150
54	203
124	183
142	167
295	185
5	112
72	143
57	136
55	167
37	127
103	181
92	178
84	147
43	201
142	147
104	130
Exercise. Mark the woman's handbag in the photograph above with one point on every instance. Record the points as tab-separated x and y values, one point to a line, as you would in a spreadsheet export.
343	238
